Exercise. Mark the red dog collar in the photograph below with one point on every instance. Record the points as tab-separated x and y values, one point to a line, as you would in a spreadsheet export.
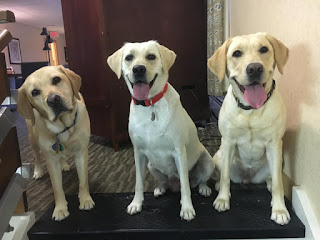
151	101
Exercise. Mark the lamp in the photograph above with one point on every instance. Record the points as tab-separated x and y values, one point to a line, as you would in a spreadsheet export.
46	46
49	39
44	32
7	17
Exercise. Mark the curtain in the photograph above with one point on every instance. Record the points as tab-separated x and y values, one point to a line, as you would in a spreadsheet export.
215	38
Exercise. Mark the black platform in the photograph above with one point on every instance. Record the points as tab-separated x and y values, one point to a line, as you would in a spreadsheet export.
249	217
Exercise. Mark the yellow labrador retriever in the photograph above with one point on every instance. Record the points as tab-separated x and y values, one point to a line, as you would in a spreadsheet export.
58	124
252	119
160	129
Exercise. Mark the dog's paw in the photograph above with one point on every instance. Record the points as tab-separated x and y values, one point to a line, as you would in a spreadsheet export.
134	207
280	216
187	212
204	190
221	204
159	191
60	213
86	203
37	173
65	167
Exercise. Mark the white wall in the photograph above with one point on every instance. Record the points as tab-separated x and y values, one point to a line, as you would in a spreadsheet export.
31	44
296	24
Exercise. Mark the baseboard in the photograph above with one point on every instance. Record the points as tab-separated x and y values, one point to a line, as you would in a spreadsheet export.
304	211
21	224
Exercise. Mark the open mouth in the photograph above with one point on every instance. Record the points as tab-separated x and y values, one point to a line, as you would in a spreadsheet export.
141	89
254	93
243	87
150	84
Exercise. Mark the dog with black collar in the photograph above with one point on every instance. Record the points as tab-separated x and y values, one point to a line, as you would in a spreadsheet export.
162	133
58	125
252	119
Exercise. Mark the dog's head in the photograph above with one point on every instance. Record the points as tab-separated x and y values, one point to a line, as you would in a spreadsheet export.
144	67
51	91
249	62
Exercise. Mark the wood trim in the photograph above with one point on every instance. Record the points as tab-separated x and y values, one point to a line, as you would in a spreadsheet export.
5	38
10	155
4	82
22	205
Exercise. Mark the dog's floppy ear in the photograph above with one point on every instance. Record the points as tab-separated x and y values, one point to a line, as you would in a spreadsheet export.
281	52
24	106
167	57
217	63
115	61
74	78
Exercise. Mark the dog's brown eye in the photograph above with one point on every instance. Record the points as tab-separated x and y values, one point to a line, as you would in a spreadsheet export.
151	57
56	80
129	57
264	50
237	54
35	92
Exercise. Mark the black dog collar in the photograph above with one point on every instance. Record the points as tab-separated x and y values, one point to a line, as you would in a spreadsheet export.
57	146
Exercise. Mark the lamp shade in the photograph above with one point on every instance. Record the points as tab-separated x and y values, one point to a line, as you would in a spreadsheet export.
7	16
46	47
44	32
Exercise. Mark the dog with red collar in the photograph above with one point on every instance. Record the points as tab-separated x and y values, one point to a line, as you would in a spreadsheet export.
163	135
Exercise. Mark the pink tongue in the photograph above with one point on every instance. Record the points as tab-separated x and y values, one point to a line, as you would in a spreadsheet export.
140	91
255	95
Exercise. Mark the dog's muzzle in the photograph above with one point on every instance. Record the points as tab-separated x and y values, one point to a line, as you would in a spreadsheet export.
56	104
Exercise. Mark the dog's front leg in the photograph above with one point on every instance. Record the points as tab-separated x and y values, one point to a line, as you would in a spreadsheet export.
37	173
81	161
222	202
187	211
141	163
54	168
280	213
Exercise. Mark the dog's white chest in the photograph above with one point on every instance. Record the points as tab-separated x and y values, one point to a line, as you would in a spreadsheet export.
159	150
151	137
251	149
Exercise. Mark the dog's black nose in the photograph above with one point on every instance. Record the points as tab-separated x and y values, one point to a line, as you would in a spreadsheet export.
254	70
139	70
53	100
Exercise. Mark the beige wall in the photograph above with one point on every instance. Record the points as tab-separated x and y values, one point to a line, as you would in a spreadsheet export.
31	44
296	24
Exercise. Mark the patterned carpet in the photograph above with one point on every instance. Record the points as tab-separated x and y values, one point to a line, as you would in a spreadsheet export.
109	171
